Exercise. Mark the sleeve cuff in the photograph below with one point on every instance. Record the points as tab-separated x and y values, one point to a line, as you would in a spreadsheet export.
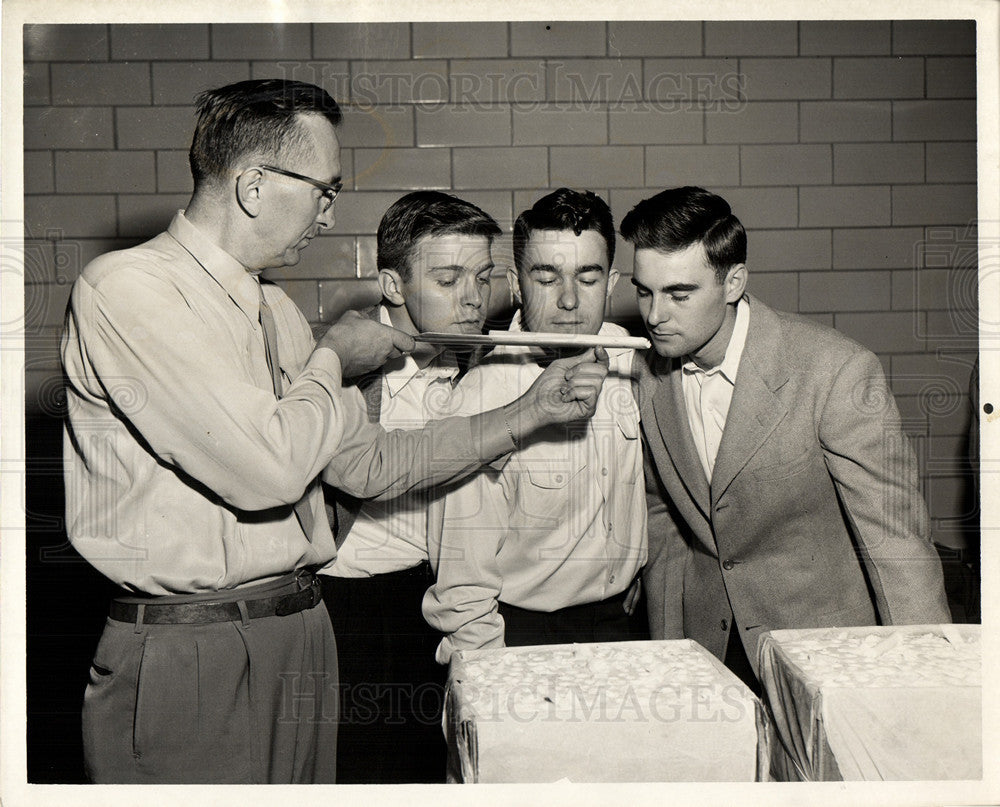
325	361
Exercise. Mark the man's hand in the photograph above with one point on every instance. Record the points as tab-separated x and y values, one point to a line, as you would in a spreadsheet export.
363	344
566	391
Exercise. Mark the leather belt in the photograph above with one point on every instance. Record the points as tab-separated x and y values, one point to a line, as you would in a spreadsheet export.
303	593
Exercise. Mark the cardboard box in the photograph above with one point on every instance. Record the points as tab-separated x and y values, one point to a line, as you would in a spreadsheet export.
664	711
874	703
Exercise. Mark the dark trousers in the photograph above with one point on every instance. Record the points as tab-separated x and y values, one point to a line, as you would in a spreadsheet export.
738	663
604	621
250	701
392	689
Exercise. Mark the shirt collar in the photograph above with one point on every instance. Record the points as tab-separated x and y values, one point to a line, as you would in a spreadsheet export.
402	371
734	350
234	278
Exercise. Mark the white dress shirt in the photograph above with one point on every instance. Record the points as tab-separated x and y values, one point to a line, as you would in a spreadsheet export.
391	535
561	522
180	463
708	393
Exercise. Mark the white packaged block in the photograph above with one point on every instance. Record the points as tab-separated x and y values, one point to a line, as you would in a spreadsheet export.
874	703
604	712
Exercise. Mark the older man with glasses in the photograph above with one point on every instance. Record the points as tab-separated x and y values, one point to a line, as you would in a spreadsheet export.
201	419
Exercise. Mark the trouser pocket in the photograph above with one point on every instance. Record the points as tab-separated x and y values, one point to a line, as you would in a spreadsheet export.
109	705
192	707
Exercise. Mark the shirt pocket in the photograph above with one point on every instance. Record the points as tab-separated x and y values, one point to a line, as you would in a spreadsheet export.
553	476
628	456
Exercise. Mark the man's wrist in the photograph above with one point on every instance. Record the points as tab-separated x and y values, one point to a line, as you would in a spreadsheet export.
510	432
520	419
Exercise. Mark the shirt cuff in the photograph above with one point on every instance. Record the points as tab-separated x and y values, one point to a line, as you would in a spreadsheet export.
326	361
444	650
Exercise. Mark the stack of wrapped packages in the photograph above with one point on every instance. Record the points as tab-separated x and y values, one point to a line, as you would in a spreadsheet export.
656	711
874	703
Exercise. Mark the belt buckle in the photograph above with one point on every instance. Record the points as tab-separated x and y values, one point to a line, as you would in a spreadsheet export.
307	579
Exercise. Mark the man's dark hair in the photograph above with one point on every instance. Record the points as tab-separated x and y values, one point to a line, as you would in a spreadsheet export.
565	209
253	117
421	213
677	218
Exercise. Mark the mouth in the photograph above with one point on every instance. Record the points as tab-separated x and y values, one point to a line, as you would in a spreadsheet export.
469	325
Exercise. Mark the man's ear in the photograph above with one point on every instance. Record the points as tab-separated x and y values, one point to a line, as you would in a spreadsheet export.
613	276
248	191
390	283
736	282
515	286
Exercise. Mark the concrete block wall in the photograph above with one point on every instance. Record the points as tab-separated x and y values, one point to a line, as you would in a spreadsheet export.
847	148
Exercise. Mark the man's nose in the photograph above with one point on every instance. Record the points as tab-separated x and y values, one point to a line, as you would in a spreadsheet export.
472	294
327	218
657	312
568	298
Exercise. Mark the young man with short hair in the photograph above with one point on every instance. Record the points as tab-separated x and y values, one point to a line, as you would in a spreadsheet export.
434	260
546	547
786	493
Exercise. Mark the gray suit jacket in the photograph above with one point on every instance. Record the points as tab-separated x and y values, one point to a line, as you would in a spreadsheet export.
813	517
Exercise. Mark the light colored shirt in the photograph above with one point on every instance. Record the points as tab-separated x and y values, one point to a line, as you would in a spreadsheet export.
391	535
181	466
560	522
708	393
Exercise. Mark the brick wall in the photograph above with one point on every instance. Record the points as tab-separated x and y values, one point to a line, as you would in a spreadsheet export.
847	148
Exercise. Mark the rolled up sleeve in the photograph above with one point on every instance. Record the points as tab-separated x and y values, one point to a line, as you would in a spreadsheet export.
463	603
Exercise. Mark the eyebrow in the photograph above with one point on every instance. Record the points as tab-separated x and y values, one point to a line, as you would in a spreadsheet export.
672	288
456	267
548	267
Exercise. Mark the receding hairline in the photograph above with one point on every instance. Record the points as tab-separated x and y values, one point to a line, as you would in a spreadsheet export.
299	142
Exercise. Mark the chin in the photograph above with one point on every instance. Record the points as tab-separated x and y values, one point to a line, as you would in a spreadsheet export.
580	328
464	328
666	351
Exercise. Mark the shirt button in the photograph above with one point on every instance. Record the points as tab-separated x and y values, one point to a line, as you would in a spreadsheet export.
612	578
604	471
724	624
728	565
559	478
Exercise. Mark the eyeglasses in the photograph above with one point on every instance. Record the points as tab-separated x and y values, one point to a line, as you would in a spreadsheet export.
330	192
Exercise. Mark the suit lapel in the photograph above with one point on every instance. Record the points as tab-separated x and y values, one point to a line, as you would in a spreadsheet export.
755	409
666	405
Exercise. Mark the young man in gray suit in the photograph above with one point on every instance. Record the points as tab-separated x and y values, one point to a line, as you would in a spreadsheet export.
782	491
